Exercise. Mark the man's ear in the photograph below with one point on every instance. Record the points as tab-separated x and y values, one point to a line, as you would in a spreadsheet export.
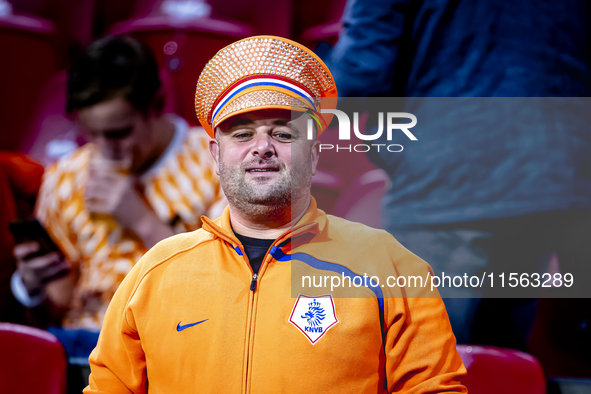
315	156
214	149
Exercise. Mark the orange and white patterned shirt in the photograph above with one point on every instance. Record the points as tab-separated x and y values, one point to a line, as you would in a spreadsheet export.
180	187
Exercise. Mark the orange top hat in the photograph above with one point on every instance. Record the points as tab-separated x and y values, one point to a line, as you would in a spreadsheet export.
264	72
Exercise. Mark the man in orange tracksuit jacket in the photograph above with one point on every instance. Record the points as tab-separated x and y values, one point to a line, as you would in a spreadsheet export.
227	309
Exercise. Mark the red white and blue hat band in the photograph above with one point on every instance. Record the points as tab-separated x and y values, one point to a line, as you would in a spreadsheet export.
262	80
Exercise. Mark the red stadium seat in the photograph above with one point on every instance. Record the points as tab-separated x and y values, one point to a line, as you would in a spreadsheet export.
316	21
344	160
271	17
109	12
323	33
338	170
268	17
493	370
48	120
31	58
31	361
182	47
361	201
72	18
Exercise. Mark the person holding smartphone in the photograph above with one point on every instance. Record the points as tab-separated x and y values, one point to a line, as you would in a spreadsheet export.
143	176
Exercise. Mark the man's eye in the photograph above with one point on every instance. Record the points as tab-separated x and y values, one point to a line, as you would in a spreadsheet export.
118	134
283	136
242	135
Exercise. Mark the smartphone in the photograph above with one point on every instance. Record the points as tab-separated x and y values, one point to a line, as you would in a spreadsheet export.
30	229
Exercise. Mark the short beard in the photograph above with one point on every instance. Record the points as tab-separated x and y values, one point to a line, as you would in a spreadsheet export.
263	202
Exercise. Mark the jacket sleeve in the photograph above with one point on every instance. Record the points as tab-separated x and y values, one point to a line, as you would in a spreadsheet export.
50	211
363	60
419	345
118	363
421	355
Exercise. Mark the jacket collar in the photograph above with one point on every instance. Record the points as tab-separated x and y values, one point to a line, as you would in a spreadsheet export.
314	221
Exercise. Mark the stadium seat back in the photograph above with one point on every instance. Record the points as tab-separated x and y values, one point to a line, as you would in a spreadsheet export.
317	21
31	361
182	48
30	60
361	201
493	370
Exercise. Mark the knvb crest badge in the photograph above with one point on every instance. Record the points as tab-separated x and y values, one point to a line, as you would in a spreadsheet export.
314	316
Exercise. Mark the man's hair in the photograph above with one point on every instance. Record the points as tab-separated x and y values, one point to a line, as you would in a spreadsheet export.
114	66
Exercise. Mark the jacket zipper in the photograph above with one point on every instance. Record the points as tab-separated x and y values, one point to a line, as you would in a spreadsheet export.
247	342
253	285
253	282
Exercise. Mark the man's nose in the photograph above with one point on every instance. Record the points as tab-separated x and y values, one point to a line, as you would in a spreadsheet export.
263	145
111	149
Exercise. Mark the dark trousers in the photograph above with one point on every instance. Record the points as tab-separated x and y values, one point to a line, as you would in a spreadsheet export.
506	316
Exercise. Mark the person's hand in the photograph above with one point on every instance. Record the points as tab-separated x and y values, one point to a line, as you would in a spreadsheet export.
114	194
36	270
111	193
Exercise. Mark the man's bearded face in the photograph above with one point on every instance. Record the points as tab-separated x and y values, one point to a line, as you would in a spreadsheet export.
259	181
265	162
